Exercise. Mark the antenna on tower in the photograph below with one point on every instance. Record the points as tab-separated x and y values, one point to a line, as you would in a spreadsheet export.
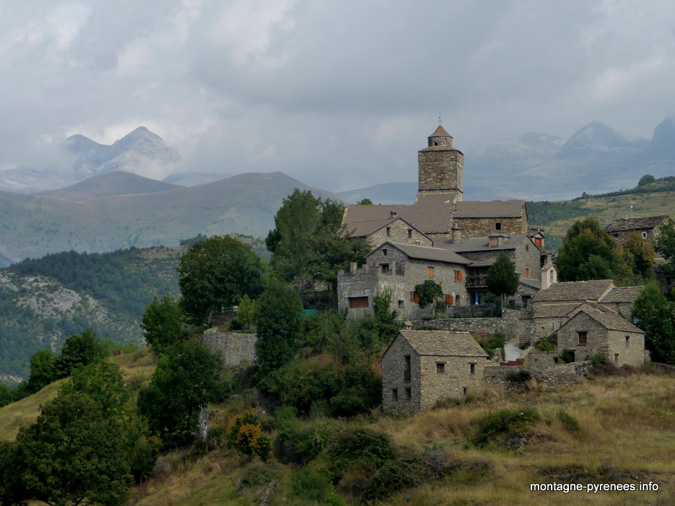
440	120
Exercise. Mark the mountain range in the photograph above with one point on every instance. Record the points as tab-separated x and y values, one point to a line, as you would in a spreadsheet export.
537	167
120	210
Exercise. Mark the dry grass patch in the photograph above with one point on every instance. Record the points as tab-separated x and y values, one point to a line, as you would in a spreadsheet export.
25	412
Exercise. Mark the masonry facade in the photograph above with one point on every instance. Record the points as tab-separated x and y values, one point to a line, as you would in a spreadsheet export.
420	368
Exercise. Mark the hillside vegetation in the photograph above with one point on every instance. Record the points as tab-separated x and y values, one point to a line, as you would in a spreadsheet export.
653	199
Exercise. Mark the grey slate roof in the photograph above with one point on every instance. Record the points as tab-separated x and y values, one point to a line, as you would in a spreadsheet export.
571	291
622	294
607	318
427	253
428	218
551	310
443	343
626	224
483	244
367	227
490	209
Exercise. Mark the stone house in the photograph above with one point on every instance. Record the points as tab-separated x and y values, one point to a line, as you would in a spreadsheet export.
531	263
422	367
440	211
552	308
392	229
648	228
399	268
593	329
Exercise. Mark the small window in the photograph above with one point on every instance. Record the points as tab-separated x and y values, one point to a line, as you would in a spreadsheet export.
527	273
583	337
430	272
459	275
408	393
410	233
449	299
464	390
358	302
527	247
627	341
384	252
616	359
498	226
414	297
644	234
394	393
388	231
385	268
406	368
400	304
440	367
472	368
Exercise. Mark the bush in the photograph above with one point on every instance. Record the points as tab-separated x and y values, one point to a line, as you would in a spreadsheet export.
491	342
567	357
313	486
546	343
394	476
569	423
501	424
428	292
522	375
362	445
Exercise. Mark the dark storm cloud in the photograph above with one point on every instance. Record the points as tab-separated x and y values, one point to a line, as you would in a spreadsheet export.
337	94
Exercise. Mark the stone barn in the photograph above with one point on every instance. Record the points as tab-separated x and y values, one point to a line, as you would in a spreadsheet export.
421	367
597	330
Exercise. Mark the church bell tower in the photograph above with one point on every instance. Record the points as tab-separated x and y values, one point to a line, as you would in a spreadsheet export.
440	167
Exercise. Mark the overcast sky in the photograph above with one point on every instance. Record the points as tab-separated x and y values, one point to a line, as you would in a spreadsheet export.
339	94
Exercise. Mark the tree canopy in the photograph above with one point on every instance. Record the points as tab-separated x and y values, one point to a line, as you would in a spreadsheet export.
163	323
215	273
308	241
587	253
666	246
656	316
502	278
278	325
186	379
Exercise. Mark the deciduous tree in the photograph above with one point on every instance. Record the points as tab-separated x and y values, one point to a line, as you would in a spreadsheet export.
587	253
163	323
215	273
502	278
656	316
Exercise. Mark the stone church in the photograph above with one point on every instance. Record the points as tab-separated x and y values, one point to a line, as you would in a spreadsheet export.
441	237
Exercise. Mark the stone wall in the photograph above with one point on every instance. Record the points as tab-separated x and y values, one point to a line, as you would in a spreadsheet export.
400	397
399	231
618	347
400	275
440	170
235	348
460	376
482	227
552	376
510	324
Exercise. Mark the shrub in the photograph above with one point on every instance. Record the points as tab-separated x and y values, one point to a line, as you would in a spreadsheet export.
567	356
394	476
501	424
313	486
243	432
428	292
491	342
569	423
522	375
365	445
546	343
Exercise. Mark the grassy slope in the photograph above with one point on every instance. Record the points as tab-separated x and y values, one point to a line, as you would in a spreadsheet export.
627	427
135	367
609	208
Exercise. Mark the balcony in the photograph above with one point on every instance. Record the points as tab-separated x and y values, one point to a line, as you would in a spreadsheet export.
477	281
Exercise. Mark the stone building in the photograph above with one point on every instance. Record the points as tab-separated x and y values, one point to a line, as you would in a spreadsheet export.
532	265
553	307
593	329
421	367
235	348
392	229
399	268
440	211
648	228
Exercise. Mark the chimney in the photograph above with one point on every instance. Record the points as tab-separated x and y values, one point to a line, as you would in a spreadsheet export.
392	214
456	233
496	240
352	268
